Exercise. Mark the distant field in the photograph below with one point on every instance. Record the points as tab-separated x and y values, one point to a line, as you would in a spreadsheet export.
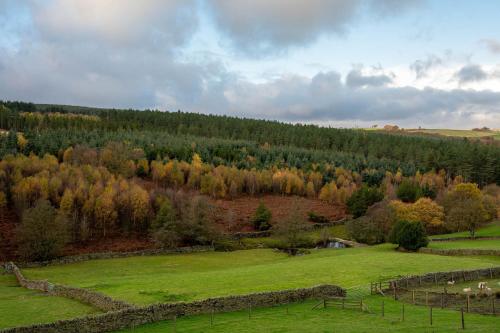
144	280
467	244
449	132
491	230
301	318
20	306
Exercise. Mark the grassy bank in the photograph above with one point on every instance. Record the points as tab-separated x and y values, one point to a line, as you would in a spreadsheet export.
20	306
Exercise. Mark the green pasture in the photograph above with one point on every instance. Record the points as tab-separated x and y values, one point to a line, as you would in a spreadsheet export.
185	277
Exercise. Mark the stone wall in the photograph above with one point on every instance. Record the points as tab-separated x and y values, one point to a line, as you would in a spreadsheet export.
111	255
451	239
460	252
98	300
132	317
444	277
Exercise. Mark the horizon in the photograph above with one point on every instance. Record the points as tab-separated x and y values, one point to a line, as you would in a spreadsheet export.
344	64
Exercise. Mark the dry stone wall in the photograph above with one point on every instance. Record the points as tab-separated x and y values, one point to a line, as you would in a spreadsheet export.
111	255
460	252
132	317
98	300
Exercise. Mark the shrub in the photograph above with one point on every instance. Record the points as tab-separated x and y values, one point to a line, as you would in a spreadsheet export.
365	230
363	198
261	218
409	235
409	191
313	217
291	230
42	233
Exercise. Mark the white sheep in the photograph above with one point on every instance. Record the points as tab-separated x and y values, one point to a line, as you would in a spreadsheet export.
482	285
467	290
451	283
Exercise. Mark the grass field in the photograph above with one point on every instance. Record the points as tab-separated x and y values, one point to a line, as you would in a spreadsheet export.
491	230
448	132
493	244
143	280
301	318
20	306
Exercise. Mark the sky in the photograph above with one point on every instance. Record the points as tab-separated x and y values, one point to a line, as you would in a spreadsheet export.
341	63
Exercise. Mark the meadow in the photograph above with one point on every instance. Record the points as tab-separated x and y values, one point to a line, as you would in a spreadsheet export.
144	280
20	306
302	318
483	244
491	230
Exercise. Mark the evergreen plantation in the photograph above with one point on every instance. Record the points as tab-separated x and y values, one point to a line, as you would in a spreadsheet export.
246	143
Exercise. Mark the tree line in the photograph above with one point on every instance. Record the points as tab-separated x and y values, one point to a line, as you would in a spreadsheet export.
267	142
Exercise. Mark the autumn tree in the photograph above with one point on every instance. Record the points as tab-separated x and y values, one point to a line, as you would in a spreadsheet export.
42	233
423	210
465	208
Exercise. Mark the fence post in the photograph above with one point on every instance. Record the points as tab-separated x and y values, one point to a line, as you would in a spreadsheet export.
324	303
212	318
426	298
250	311
463	319
413	296
175	323
493	305
287	309
403	312
442	301
468	303
343	303
383	314
361	305
430	314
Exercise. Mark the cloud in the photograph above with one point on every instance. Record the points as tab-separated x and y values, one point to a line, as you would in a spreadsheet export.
421	67
471	73
260	27
116	22
492	44
323	98
356	79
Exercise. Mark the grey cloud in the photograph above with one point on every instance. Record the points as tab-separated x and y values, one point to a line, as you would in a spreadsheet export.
421	67
260	27
470	73
492	44
116	23
298	99
355	79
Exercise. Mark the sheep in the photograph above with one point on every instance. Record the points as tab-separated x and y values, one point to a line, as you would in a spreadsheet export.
467	290
482	285
451	283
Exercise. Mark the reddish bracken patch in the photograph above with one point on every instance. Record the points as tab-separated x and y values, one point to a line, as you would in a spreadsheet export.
115	244
236	214
8	224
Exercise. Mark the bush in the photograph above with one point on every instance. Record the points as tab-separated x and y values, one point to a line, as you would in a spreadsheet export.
363	198
409	191
43	233
365	230
291	230
409	235
313	217
261	218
